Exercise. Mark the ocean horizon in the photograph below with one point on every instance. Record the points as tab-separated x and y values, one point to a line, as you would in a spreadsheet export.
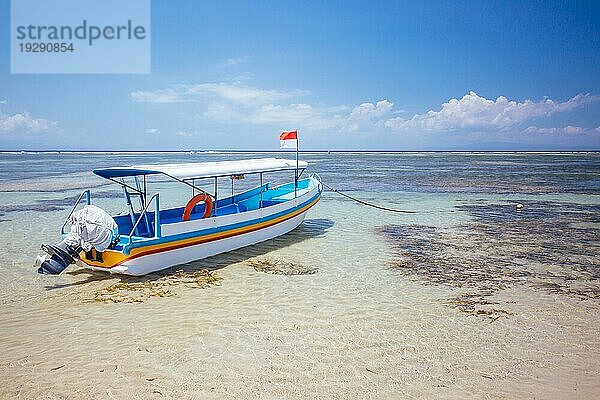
549	151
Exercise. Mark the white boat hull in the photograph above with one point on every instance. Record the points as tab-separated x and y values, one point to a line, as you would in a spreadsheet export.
156	262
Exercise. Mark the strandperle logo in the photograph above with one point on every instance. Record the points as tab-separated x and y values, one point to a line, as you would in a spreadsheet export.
84	31
92	36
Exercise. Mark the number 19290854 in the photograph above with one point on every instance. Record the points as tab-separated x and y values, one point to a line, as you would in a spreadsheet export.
46	47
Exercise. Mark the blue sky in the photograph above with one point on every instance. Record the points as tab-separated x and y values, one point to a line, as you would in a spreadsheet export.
347	74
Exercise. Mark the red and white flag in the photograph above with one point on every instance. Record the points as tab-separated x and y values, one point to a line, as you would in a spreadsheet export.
289	140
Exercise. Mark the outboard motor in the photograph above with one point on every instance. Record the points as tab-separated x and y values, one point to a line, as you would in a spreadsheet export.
61	256
91	228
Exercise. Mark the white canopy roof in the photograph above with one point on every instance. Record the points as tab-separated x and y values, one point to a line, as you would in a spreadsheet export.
204	169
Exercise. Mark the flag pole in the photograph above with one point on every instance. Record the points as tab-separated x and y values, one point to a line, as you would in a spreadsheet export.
296	175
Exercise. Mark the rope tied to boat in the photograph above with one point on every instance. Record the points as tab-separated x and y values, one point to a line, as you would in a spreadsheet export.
367	203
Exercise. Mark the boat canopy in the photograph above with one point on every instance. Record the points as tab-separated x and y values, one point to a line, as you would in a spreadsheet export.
203	169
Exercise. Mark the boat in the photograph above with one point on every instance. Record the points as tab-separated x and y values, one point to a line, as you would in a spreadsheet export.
149	239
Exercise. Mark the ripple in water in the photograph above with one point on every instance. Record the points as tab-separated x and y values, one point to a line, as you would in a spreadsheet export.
140	289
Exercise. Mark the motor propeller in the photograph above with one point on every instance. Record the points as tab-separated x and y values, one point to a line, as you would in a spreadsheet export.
61	256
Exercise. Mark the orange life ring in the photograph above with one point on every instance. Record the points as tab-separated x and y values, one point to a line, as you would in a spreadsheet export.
187	212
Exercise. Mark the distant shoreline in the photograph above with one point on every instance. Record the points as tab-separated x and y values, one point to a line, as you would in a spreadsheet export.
289	151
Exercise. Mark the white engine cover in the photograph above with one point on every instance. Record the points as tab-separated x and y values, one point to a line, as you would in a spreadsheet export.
92	227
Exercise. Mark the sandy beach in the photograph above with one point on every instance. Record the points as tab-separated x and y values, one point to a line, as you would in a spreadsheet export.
463	299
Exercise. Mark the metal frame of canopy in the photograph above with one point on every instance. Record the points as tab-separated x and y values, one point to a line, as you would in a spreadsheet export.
204	169
183	173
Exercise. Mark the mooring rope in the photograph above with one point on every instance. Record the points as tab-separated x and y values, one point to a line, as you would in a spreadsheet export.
367	204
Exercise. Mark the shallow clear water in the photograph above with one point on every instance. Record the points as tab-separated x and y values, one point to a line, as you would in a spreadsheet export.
466	298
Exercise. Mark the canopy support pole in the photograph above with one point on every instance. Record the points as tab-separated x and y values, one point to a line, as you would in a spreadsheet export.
145	186
131	210
297	162
122	183
188	183
157	227
216	197
261	187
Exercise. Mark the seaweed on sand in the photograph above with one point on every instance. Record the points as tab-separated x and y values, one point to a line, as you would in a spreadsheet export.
280	267
141	290
478	304
550	246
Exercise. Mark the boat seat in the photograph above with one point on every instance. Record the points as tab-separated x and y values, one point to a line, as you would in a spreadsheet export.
231	209
223	210
288	196
267	203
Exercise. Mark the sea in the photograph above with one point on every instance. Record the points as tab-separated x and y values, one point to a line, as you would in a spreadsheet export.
481	280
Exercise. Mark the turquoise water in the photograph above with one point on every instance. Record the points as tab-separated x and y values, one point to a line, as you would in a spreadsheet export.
466	297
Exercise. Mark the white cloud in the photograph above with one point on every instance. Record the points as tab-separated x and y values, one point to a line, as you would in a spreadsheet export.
184	133
238	103
151	131
23	123
287	115
567	130
299	115
234	92
281	113
365	115
372	110
234	102
476	112
234	61
242	94
158	96
3	101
